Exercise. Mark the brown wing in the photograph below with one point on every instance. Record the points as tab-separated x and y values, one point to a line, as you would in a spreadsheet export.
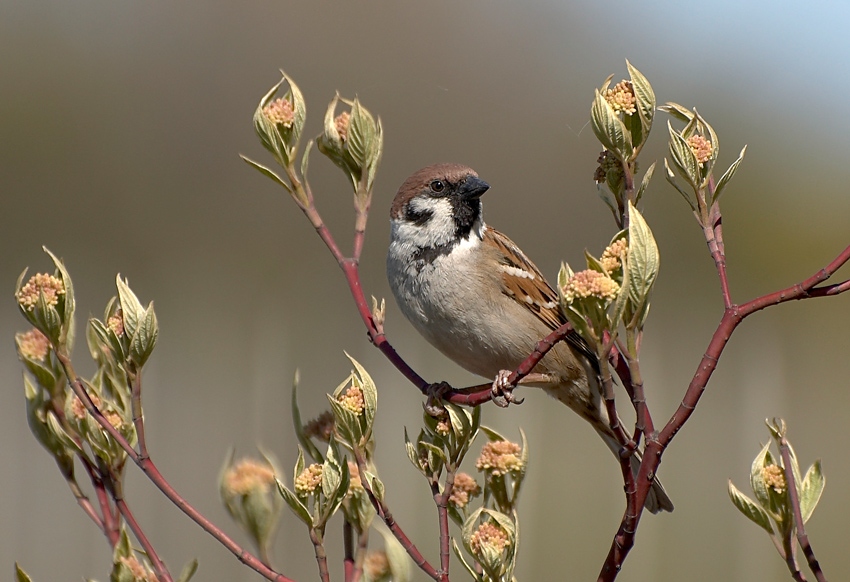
522	280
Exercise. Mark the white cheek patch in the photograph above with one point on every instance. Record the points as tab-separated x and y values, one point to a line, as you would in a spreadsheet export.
438	231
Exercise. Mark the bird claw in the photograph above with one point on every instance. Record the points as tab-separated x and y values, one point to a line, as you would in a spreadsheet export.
502	391
433	405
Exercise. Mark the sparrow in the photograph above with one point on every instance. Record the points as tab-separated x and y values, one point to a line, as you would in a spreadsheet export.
476	297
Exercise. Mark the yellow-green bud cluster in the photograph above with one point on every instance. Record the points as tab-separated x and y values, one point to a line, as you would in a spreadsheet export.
610	259
33	345
341	123
116	323
41	283
280	112
499	458
247	476
590	283
465	488
139	571
774	477
701	148
621	97
355	485
78	409
309	479
489	534
376	565
353	401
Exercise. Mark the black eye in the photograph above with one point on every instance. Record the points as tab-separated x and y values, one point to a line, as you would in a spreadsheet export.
437	186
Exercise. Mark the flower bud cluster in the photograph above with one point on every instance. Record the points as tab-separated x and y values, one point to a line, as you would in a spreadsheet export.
590	283
621	97
49	286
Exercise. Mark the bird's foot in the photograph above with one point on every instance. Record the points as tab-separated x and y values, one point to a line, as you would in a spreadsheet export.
502	391
433	405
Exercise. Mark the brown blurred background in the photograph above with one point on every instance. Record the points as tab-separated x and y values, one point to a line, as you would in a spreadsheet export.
121	123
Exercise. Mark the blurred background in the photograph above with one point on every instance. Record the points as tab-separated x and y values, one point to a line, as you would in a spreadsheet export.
121	125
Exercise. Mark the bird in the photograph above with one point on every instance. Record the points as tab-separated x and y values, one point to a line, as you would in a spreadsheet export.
473	294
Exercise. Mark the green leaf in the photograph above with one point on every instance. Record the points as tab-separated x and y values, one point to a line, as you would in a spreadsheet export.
811	490
20	575
335	481
762	460
672	180
267	172
644	184
683	157
143	341
131	308
727	176
400	563
593	263
47	319
376	155
750	509
299	109
645	97
492	434
460	420
475	575
623	298
643	259
609	129
412	452
305	159
299	465
677	111
68	303
361	133
188	571
295	504
370	394
305	442
375	484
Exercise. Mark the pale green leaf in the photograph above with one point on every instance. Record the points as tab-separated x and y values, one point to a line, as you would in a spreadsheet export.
683	157
609	129
643	258
267	172
295	504
188	571
727	176
750	509
811	490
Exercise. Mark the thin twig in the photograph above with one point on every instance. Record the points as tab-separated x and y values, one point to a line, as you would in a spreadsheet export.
136	405
152	472
321	556
441	499
348	550
84	503
732	317
159	567
111	523
794	497
790	558
384	513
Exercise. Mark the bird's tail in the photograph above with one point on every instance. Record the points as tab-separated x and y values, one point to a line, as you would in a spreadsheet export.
657	500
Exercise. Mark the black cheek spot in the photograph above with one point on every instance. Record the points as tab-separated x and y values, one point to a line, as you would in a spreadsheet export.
418	217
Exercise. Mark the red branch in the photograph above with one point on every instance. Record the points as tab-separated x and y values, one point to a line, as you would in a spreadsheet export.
152	472
794	498
732	317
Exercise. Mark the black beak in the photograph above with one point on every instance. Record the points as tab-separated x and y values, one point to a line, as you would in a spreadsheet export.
472	188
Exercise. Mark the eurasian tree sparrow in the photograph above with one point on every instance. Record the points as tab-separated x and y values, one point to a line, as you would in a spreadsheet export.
473	294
